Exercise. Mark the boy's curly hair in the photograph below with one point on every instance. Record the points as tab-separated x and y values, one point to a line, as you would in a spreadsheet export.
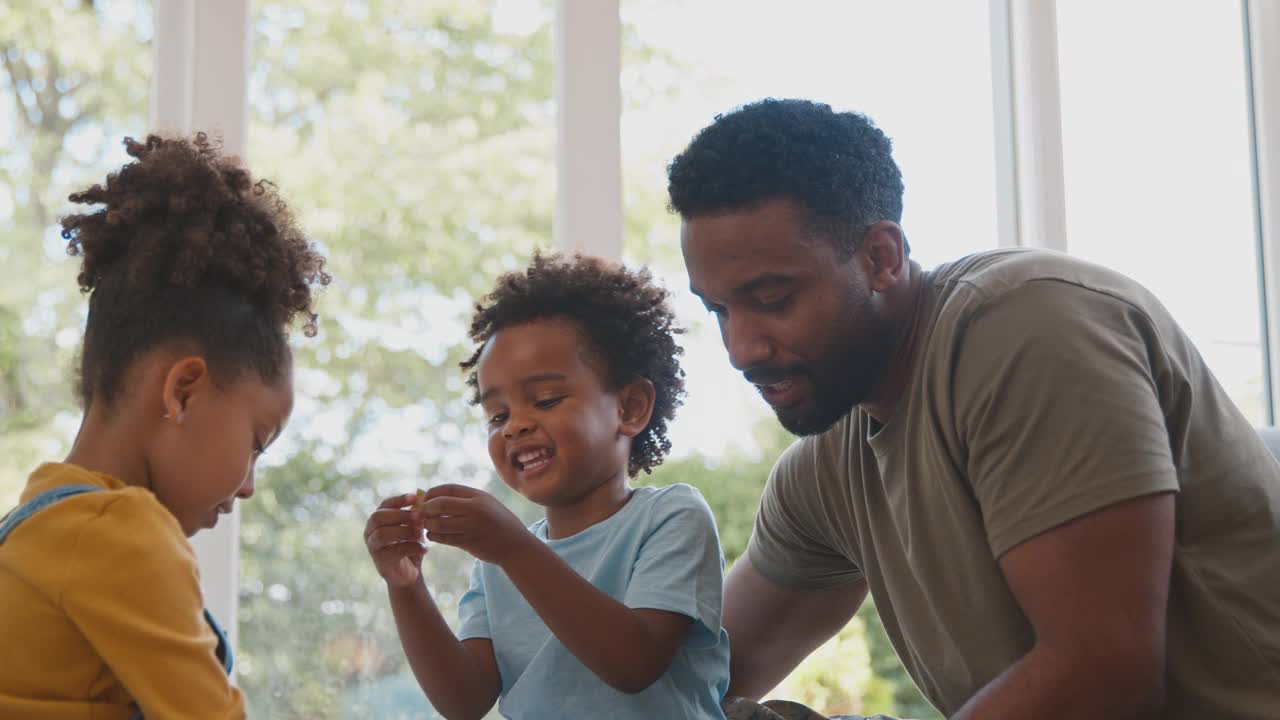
188	249
624	316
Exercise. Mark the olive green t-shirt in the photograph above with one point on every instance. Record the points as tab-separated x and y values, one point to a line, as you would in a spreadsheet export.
1043	388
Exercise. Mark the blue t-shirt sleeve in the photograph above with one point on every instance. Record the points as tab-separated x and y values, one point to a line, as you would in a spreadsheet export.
680	567
473	612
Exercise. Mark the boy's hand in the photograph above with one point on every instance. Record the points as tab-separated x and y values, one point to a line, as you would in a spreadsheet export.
393	537
473	520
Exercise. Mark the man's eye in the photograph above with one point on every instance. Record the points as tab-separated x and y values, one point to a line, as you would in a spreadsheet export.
497	419
548	402
773	304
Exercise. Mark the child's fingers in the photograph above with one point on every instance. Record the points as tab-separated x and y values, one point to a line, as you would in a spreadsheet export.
445	525
399	501
401	571
392	535
443	505
383	518
451	490
447	539
407	569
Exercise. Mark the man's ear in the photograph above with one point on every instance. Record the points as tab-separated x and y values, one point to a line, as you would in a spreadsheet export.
187	378
635	406
885	249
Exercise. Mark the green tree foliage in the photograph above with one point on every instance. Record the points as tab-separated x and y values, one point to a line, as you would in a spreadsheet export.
415	141
59	98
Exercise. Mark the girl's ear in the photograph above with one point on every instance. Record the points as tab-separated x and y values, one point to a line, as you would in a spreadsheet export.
635	406
187	377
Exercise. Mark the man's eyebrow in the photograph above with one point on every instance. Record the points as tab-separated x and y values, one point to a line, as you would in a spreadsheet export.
532	379
766	280
753	284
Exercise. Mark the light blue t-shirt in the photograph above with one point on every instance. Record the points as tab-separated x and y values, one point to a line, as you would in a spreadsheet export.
660	551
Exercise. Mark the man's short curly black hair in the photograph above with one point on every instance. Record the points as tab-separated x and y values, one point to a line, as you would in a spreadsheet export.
188	250
624	317
836	166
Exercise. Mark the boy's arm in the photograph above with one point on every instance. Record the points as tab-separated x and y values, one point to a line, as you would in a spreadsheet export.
626	647
460	678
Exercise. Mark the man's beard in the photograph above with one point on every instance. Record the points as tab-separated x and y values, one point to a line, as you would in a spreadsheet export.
848	372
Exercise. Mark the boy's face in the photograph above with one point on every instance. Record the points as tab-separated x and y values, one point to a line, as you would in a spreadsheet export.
202	464
556	433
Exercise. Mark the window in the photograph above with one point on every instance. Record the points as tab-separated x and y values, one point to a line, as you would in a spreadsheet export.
1157	168
683	63
416	143
64	108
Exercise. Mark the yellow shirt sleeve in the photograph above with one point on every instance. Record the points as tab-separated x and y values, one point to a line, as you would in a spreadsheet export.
133	590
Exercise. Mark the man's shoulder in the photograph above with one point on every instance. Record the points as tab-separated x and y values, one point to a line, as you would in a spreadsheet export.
986	276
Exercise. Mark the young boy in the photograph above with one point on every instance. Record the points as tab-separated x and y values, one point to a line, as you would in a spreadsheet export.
612	603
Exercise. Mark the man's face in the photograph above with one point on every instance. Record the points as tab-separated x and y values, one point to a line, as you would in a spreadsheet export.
798	320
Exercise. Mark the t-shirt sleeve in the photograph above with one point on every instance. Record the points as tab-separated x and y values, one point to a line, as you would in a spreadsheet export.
134	592
1057	404
790	544
680	567
473	612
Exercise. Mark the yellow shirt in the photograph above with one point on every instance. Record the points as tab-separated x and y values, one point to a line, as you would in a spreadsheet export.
100	607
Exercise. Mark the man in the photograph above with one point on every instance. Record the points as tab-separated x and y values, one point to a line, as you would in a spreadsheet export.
1057	509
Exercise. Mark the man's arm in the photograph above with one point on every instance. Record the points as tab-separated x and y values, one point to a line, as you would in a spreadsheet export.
772	627
1060	396
1095	590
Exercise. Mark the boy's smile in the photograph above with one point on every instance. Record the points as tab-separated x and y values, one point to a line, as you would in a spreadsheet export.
531	459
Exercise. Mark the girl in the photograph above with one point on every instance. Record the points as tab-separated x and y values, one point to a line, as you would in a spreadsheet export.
610	605
193	271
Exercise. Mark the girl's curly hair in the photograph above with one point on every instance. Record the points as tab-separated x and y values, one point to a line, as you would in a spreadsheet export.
188	249
624	316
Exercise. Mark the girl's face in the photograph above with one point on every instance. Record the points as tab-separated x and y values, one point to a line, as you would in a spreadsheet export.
557	434
204	456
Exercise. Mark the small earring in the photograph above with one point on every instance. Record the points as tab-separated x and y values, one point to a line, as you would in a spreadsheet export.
178	419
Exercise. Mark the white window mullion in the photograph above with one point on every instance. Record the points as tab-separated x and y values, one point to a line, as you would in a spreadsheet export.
1262	27
1031	200
199	82
588	98
1005	143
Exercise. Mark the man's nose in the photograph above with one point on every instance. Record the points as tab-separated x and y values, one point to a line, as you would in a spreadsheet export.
747	345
